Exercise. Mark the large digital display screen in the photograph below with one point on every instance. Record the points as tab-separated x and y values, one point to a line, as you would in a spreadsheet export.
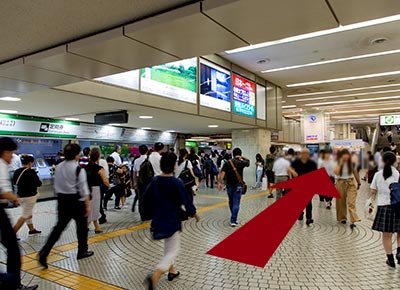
388	120
129	79
244	97
215	86
176	80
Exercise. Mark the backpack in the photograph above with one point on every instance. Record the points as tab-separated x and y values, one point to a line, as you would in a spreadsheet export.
269	162
146	174
114	178
186	176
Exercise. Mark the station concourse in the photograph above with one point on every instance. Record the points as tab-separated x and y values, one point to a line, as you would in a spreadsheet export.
277	79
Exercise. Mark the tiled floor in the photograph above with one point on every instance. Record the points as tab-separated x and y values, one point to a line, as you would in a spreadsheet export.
325	256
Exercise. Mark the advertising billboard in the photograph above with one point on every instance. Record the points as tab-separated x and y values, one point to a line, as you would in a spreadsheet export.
215	86
129	79
388	120
175	80
244	97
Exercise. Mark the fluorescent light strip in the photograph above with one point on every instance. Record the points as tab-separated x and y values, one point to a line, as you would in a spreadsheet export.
318	33
9	111
352	101
10	99
351	106
382	74
349	95
344	90
333	61
365	110
289	106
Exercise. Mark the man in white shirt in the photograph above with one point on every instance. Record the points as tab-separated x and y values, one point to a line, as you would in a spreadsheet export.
71	187
11	279
281	171
155	158
143	150
116	155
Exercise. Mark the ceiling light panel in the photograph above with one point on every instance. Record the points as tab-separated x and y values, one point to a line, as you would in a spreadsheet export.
318	33
333	61
359	77
10	99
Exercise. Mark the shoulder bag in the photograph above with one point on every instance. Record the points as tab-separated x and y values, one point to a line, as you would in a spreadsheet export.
19	177
187	177
239	178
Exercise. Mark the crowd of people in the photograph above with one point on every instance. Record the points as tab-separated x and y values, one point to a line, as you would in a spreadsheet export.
165	184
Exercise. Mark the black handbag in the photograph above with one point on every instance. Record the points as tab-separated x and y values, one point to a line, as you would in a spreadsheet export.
187	177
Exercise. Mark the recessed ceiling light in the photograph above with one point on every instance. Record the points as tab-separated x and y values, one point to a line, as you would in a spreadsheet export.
72	119
318	33
114	124
382	74
145	128
213	126
288	106
145	117
8	111
10	99
332	61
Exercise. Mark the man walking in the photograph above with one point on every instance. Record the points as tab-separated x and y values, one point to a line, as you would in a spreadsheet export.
70	184
233	184
269	163
281	172
155	158
12	279
299	167
117	156
143	150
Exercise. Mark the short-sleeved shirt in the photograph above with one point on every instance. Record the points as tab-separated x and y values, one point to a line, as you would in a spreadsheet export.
155	159
117	158
231	179
304	168
382	186
181	166
93	176
5	182
137	163
329	166
281	166
28	182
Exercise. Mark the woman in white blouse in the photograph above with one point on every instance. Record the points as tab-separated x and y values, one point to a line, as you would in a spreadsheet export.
387	218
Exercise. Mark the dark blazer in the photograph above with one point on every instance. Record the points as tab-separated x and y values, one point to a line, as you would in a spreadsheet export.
167	195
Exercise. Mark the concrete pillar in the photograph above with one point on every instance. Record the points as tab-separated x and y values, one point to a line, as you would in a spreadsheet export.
251	141
343	131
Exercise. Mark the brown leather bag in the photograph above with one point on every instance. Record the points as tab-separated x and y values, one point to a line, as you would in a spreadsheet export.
240	179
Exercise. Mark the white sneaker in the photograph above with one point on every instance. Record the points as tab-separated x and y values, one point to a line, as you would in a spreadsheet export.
234	224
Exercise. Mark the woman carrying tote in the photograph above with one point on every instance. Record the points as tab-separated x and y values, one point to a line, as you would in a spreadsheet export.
346	172
387	219
166	195
185	164
27	182
95	176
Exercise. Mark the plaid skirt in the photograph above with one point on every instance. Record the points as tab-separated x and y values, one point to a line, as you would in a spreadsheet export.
387	219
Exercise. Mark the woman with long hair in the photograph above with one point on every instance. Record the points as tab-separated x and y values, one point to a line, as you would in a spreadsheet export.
259	170
184	162
27	182
387	219
346	172
95	176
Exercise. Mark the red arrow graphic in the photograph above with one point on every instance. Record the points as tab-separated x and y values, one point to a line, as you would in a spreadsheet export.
256	241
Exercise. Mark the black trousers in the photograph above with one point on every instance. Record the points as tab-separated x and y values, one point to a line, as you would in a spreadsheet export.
103	191
116	190
69	208
11	279
308	212
136	199
210	176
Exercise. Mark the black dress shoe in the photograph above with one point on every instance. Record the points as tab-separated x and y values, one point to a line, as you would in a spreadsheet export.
398	257
301	217
353	226
85	255
43	261
172	276
391	264
149	282
309	222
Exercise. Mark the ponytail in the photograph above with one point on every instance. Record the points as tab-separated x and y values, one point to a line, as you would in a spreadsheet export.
389	159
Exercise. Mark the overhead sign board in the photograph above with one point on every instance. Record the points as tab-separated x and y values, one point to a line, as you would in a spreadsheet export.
244	96
389	120
215	86
175	80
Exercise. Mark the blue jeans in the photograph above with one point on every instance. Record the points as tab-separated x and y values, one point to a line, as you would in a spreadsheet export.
259	175
234	195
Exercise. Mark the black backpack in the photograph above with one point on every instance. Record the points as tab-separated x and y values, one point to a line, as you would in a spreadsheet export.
146	174
186	176
114	178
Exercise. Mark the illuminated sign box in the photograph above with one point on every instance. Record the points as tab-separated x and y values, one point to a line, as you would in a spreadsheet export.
389	120
244	97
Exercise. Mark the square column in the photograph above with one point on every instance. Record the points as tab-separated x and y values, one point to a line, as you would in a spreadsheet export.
251	141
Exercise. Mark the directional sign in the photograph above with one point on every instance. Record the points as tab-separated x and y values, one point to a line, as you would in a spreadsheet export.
256	241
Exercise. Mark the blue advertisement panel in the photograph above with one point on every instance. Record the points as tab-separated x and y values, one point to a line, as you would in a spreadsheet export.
215	86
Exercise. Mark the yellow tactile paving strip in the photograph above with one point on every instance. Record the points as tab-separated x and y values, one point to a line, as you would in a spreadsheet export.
80	282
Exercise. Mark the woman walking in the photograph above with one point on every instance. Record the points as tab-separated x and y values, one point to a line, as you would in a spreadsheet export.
183	164
345	173
96	175
259	171
27	182
387	218
328	164
167	195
